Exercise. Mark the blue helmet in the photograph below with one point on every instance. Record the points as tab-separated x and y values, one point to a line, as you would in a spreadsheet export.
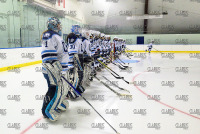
76	29
52	24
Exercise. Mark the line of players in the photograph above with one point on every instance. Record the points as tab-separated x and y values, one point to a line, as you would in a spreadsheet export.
74	61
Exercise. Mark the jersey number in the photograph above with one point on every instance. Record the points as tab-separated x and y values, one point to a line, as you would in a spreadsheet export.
46	44
72	46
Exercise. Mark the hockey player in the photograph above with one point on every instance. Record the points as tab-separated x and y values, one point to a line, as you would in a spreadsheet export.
87	56
75	50
116	44
123	46
54	59
150	46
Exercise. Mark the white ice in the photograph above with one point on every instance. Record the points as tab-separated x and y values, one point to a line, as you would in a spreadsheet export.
165	123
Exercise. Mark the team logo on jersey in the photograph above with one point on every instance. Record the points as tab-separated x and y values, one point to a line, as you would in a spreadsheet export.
46	35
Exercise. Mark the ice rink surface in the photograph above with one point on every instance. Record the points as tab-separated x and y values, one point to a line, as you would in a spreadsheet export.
165	100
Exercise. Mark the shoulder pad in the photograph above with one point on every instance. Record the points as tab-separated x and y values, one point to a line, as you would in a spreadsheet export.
83	39
48	34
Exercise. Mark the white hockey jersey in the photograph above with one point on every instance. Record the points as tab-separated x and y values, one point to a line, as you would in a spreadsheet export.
54	48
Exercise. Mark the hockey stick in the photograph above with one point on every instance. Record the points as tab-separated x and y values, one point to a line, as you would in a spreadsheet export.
121	67
115	84
90	105
118	94
158	51
119	62
117	77
114	72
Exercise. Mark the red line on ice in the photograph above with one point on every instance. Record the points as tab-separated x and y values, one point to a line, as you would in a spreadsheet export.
28	128
162	102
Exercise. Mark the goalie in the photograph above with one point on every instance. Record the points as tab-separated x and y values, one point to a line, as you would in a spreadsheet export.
54	61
